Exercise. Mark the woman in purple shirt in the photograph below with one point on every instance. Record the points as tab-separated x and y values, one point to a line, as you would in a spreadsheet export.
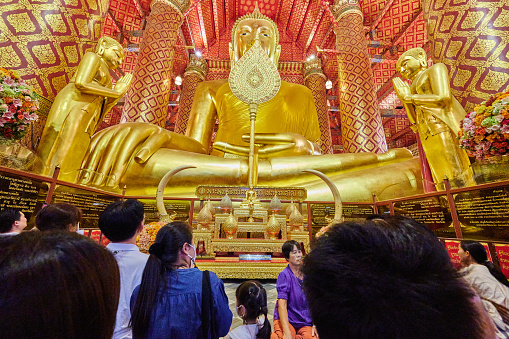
291	315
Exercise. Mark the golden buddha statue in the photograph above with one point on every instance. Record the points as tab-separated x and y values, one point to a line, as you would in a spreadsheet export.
435	114
80	106
139	154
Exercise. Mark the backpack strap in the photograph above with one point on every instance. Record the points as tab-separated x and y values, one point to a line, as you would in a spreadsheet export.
207	314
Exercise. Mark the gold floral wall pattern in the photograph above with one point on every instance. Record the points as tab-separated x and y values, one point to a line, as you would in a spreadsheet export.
44	40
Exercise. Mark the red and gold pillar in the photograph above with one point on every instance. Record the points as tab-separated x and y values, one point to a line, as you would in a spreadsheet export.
314	79
472	39
195	73
45	40
147	98
361	123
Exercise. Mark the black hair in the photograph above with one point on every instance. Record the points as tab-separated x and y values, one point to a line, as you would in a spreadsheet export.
387	278
375	216
58	285
480	256
288	247
121	219
7	217
59	216
253	296
164	253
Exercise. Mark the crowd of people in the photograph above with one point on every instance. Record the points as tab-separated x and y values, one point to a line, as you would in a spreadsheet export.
386	277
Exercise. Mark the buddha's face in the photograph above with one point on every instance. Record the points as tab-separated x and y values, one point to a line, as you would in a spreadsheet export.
410	66
250	30
113	56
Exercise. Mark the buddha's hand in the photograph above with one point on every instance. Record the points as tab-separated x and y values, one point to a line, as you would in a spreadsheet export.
272	145
123	84
113	148
402	89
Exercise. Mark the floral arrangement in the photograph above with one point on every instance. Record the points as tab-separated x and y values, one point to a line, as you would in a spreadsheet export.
18	104
484	132
148	235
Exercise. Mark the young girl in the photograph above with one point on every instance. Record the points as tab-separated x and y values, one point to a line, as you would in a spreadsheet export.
252	308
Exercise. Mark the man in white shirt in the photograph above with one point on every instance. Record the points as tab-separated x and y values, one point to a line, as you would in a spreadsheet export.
12	221
121	222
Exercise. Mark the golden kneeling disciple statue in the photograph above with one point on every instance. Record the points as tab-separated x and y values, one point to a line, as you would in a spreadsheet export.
435	114
138	154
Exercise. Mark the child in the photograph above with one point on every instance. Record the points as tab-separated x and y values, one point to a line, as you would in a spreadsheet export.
252	308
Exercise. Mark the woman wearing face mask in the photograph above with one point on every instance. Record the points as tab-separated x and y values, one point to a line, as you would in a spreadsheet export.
168	302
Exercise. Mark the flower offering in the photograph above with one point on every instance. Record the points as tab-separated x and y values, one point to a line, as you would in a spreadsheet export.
484	132
18	104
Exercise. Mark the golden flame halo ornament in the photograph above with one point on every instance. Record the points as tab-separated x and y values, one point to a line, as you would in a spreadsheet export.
254	80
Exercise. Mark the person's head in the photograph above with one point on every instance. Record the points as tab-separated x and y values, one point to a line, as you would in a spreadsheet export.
174	245
57	285
388	278
251	27
122	220
471	251
173	248
292	252
412	62
12	220
59	216
111	51
252	306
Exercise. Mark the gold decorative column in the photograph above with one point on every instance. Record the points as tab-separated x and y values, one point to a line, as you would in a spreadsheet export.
44	40
314	79
472	39
147	99
361	123
195	73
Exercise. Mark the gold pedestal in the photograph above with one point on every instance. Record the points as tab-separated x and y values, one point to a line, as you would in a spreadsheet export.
247	245
206	237
15	155
250	226
234	269
491	170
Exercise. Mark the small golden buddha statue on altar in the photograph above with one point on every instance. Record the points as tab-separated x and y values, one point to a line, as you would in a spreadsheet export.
139	154
435	114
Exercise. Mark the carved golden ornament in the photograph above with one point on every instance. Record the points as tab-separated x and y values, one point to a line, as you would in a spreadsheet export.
239	192
301	237
204	218
290	208
230	226
197	66
296	219
273	227
275	204
206	237
256	14
180	5
254	79
247	245
313	67
245	269
210	207
344	7
226	203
